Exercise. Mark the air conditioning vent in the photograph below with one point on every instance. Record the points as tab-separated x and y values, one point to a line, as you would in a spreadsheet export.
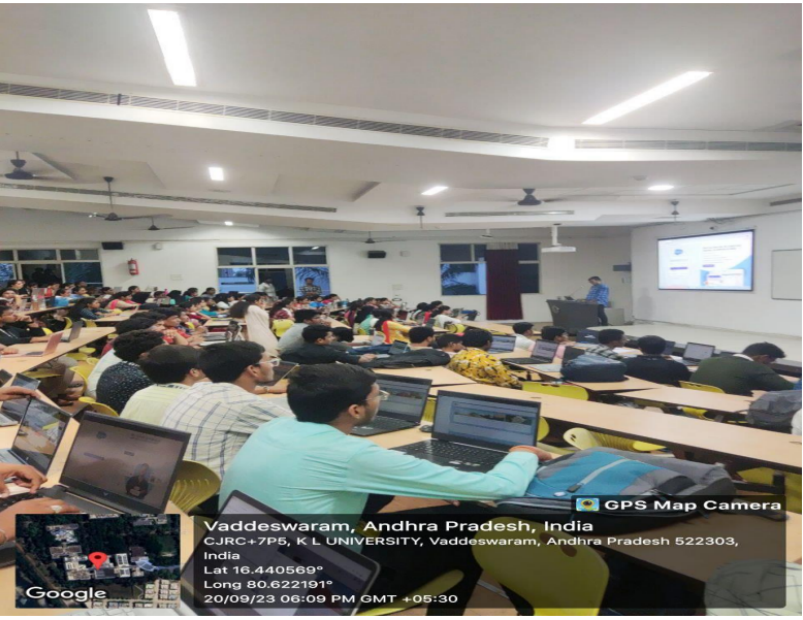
292	117
253	113
79	95
200	108
504	213
333	121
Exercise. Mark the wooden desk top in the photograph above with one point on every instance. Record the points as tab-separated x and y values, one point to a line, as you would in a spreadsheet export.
440	375
21	364
711	401
491	327
114	319
753	447
629	384
8	574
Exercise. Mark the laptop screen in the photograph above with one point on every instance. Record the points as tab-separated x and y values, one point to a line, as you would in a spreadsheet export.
589	336
40	434
281	371
75	331
15	408
5	377
342	575
503	344
408	397
545	349
571	353
485	420
670	347
127	463
696	351
397	347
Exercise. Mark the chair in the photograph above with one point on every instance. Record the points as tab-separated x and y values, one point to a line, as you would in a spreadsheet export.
437	586
690	385
98	407
552	578
455	328
83	370
565	390
281	326
583	439
90	323
195	483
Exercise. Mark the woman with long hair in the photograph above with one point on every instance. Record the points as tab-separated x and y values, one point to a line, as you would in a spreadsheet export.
257	322
391	329
281	310
85	309
351	313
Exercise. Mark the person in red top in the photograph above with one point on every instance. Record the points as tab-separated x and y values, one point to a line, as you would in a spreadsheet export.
281	310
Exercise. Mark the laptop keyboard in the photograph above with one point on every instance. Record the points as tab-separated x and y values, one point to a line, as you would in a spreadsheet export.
9	501
455	455
525	360
383	424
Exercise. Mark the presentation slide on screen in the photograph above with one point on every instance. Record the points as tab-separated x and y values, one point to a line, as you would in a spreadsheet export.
718	262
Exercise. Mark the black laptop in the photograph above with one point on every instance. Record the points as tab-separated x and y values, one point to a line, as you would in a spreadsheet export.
572	353
339	576
12	411
587	336
120	466
543	352
474	432
403	408
502	344
38	436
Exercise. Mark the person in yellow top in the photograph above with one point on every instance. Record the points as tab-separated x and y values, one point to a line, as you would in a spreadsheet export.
475	363
390	328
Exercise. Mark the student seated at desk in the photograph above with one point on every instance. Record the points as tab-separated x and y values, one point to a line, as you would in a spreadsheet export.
121	301
451	344
559	335
344	339
291	340
316	468
443	317
86	309
316	349
16	328
109	358
478	365
744	372
524	334
121	381
651	365
391	329
609	339
172	370
12	299
223	414
56	321
420	352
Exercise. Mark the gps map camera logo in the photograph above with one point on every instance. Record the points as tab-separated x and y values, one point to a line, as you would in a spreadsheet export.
586	504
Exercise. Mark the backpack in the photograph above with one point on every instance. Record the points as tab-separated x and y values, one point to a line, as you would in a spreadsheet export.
592	368
609	473
774	410
411	359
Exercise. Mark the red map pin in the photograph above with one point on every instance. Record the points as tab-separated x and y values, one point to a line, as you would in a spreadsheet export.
97	558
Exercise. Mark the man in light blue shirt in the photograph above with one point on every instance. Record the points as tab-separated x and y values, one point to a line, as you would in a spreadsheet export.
599	294
311	465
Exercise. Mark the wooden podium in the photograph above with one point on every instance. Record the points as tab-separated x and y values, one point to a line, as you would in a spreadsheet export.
573	315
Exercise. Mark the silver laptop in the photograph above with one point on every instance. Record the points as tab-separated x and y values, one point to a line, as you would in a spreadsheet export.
50	348
75	332
120	466
38	436
12	411
694	353
502	344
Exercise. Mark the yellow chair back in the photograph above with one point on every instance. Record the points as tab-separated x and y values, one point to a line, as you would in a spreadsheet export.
90	323
455	328
67	322
98	407
583	439
83	370
195	483
690	385
280	326
552	578
565	390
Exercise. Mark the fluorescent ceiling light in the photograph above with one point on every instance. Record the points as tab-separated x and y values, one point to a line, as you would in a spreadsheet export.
229	223
561	143
216	173
174	46
317	247
660	188
555	213
646	98
434	190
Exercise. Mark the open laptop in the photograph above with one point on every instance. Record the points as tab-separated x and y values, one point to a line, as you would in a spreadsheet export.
694	353
38	436
403	408
543	352
50	348
5	377
12	411
669	348
473	432
502	344
120	466
281	372
587	336
344	575
75	332
398	347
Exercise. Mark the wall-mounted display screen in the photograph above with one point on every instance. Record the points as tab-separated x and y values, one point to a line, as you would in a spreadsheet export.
715	262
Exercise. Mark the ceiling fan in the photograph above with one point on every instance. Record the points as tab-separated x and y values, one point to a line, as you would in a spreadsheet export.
529	199
153	226
20	174
113	217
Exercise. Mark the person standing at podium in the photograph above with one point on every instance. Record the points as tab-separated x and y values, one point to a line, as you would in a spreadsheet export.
598	294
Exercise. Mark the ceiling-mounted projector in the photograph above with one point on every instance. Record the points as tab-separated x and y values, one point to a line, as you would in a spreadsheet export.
556	246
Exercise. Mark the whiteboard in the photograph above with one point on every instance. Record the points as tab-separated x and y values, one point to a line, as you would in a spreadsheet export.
786	274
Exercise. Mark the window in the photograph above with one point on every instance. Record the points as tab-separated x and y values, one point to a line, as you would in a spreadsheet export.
289	268
43	267
463	269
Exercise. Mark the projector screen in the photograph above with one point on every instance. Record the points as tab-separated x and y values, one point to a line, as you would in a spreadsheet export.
717	262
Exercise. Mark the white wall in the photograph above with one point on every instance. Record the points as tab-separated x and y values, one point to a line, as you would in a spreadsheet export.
753	311
189	258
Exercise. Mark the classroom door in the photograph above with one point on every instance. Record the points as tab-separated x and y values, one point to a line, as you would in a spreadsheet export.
282	279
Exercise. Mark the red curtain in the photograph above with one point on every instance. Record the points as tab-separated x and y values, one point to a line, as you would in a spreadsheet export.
504	295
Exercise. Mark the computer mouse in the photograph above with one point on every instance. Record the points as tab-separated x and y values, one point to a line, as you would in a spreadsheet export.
425	428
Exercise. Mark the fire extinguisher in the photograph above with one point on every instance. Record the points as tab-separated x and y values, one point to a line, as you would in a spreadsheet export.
133	268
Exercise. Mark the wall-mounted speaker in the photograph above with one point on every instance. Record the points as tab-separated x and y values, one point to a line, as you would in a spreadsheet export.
627	267
112	245
377	254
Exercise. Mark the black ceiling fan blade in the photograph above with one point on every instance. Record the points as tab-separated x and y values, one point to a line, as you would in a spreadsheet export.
177	227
